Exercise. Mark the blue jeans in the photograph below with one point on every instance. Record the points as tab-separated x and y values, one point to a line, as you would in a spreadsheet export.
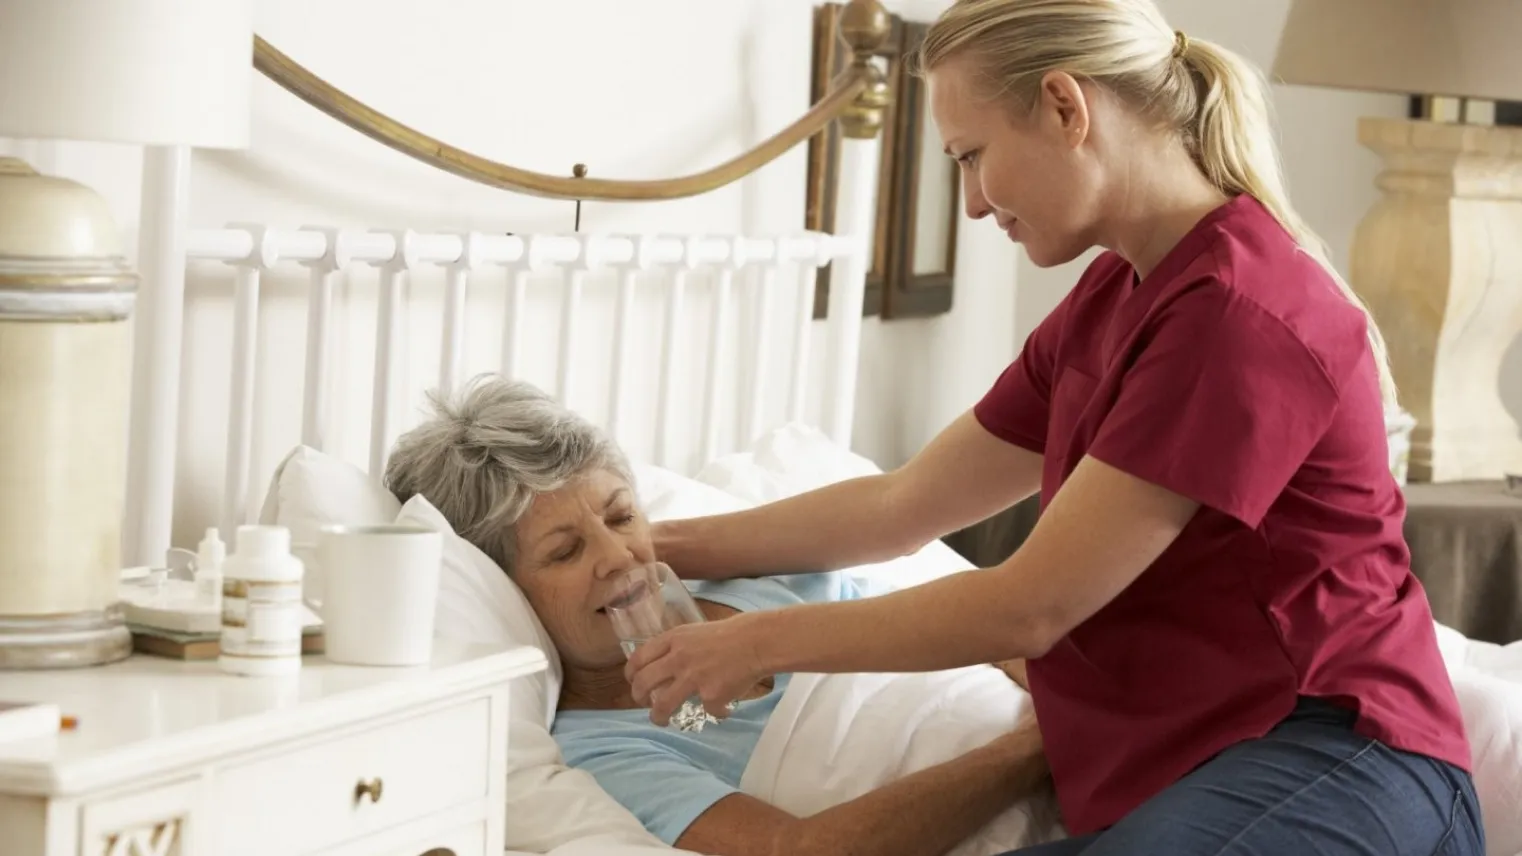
1310	787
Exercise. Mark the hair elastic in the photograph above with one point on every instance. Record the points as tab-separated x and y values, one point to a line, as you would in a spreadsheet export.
1180	44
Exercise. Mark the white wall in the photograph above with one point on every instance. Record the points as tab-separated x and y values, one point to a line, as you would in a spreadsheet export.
648	89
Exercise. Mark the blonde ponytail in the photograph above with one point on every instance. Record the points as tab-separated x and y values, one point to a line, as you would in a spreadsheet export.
1232	140
1215	100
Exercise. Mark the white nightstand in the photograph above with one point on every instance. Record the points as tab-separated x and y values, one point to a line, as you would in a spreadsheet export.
177	758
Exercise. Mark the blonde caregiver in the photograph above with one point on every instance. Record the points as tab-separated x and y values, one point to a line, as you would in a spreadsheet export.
1225	644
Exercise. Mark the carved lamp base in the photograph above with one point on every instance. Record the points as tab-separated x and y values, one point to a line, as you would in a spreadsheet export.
1439	262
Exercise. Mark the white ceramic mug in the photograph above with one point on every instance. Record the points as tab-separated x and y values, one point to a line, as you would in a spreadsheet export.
379	590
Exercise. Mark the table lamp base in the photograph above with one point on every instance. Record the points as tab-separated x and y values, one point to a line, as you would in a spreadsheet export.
1439	263
63	641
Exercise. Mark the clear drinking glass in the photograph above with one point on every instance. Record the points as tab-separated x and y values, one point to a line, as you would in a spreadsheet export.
651	599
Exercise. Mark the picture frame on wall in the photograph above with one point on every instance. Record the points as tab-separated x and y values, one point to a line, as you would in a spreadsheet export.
830	58
913	252
924	212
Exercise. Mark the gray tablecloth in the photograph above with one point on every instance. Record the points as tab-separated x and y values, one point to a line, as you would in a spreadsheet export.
1466	548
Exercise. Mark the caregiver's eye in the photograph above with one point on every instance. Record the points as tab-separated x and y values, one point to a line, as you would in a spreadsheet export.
968	158
620	519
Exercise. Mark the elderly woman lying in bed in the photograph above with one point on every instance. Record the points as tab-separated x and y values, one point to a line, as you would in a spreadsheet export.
550	499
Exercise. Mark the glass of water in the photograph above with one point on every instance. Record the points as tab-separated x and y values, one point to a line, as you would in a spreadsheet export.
651	599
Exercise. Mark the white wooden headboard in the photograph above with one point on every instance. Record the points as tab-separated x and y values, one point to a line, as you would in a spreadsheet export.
703	334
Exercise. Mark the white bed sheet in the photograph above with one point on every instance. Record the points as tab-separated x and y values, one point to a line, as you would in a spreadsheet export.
1488	679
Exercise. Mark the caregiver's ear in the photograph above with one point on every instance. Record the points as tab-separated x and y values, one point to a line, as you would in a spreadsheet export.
1062	107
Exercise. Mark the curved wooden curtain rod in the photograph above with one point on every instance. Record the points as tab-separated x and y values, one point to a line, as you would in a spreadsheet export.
857	97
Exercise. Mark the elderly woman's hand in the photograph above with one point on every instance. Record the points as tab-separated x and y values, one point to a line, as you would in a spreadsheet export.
715	661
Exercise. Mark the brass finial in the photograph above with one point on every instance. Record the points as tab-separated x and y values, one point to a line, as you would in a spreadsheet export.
865	25
578	171
863	118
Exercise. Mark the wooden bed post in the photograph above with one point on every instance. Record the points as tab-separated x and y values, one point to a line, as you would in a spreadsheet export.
864	24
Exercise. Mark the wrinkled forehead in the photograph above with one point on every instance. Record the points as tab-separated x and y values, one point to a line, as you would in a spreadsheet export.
591	494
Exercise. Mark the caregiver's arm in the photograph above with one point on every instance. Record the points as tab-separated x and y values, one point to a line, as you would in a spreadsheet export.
923	814
964	475
1099	533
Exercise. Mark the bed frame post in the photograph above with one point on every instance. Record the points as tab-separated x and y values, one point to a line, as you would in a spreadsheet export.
864	24
151	445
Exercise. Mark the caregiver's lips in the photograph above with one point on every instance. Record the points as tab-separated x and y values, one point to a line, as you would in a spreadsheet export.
1009	229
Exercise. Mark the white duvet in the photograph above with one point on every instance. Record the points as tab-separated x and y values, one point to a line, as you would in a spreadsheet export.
836	737
831	739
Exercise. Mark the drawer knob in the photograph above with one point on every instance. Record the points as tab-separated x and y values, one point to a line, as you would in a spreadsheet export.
368	788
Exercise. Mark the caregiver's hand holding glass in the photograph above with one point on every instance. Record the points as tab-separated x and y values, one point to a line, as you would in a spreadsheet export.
651	600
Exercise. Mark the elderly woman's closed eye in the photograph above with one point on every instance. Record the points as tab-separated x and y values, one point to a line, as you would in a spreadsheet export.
552	500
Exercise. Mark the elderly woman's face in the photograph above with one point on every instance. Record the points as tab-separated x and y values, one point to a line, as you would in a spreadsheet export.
572	545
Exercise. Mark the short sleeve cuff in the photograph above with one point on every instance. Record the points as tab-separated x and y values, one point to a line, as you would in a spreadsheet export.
994	415
1152	469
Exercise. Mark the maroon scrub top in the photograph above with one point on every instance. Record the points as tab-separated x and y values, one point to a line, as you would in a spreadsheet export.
1238	375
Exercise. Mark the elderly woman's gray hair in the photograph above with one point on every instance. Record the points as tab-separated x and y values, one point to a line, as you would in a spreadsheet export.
488	449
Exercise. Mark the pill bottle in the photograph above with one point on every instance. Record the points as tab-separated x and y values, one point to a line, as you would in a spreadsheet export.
261	604
211	553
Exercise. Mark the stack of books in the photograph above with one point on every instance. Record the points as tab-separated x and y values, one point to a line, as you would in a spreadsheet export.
169	619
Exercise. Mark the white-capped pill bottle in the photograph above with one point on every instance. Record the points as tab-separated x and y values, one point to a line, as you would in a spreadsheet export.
261	604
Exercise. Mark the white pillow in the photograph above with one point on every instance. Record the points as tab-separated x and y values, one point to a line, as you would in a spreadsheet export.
665	495
310	490
796	458
1492	711
784	461
479	604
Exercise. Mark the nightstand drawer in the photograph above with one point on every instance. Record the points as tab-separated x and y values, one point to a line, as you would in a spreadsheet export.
466	839
348	786
152	820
